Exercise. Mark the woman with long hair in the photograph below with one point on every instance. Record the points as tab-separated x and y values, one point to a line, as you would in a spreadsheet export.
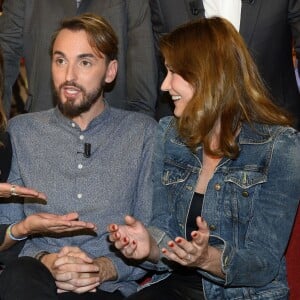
227	180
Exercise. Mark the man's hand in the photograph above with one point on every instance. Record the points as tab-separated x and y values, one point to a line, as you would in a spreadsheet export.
73	270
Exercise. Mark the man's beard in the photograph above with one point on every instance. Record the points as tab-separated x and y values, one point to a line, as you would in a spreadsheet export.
69	108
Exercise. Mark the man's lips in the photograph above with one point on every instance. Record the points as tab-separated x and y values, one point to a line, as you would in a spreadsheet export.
71	91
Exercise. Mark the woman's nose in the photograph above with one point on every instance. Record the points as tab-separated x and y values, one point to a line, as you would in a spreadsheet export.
165	86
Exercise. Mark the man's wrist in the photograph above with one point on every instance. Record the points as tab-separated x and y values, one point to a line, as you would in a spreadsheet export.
41	255
107	270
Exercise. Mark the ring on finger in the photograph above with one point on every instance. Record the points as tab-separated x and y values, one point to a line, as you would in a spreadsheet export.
13	190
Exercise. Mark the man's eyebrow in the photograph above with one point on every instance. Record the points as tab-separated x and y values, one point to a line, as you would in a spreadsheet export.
86	55
56	52
83	55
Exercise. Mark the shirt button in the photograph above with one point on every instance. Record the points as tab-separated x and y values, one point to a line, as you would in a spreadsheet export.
217	186
73	124
212	227
245	194
80	166
79	196
81	137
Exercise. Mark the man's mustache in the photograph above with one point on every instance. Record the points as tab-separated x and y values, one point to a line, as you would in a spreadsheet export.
71	84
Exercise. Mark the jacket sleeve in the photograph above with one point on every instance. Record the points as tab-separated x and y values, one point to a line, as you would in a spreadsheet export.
11	41
267	236
163	226
141	63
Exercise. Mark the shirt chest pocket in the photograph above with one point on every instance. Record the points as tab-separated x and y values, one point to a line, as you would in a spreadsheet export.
242	189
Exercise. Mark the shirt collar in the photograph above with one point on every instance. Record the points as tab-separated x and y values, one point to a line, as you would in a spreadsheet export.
103	116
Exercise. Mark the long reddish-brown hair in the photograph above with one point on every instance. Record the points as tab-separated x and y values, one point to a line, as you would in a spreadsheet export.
212	56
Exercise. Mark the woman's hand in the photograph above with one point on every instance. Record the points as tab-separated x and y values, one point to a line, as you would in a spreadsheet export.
42	223
190	253
197	252
133	240
45	223
7	190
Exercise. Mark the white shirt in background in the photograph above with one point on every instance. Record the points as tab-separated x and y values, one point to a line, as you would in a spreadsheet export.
78	3
227	9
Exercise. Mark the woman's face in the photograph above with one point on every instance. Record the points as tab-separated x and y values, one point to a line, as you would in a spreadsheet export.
180	90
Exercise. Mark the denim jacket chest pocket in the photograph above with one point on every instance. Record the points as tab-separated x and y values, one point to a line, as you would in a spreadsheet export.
178	179
242	186
175	172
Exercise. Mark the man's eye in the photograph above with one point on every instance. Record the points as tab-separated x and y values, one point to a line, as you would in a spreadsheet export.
85	63
60	61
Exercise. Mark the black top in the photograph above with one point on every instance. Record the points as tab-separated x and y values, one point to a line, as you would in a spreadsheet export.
195	211
5	162
190	275
5	156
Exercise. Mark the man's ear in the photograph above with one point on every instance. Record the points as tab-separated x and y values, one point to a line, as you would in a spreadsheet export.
111	71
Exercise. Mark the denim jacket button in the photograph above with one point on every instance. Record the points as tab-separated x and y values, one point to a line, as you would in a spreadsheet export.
212	227
245	194
188	187
217	186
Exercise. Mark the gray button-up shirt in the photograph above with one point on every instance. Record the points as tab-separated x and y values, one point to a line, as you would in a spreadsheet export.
115	180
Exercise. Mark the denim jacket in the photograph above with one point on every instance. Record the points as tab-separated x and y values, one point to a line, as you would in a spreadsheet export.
249	205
